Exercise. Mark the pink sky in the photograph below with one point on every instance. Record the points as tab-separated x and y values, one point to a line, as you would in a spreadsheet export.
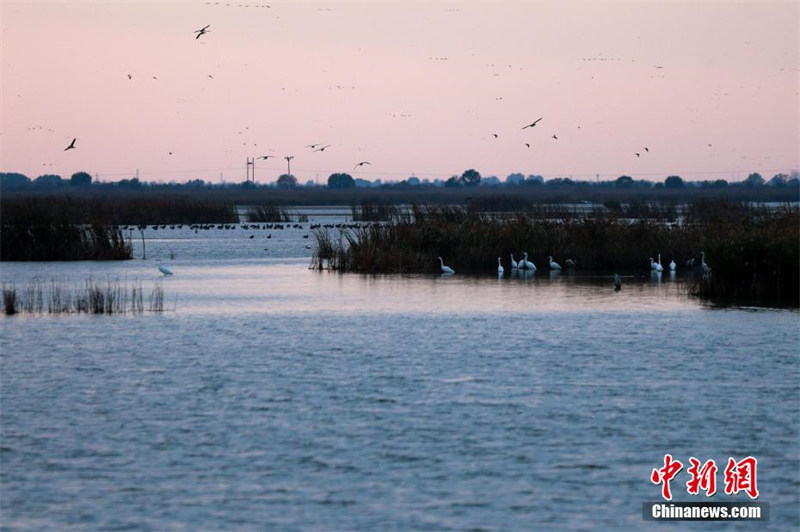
414	88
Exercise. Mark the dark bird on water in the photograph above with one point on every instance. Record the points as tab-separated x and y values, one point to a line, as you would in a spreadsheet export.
71	145
202	31
362	163
533	124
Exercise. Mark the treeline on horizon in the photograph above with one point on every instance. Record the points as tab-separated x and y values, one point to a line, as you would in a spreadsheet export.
342	189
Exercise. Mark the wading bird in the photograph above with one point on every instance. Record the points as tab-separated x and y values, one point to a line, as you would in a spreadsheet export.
672	265
525	264
553	264
706	268
514	264
533	124
445	269
656	267
500	269
163	269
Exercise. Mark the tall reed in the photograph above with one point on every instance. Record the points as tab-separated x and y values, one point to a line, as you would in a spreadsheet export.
59	297
750	251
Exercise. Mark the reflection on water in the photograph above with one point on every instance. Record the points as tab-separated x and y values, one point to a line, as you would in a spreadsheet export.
277	397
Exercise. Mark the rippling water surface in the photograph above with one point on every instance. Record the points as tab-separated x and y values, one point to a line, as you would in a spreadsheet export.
269	396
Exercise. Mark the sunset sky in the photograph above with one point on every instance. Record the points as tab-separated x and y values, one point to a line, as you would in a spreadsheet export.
711	88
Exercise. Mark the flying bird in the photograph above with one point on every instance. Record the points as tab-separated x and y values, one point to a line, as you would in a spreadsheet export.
647	149
265	157
312	146
555	137
528	145
362	163
202	31
533	124
323	148
130	77
495	135
71	145
636	154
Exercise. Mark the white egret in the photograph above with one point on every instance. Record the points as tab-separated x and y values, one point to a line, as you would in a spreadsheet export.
163	269
703	265
500	269
553	264
445	269
672	265
514	264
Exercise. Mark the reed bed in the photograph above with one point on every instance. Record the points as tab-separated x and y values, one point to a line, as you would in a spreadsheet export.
36	232
373	211
268	213
91	297
751	252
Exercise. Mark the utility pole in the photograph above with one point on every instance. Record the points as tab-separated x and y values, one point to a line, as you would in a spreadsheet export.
289	164
247	168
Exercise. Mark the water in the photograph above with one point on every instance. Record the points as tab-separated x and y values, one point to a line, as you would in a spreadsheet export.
269	396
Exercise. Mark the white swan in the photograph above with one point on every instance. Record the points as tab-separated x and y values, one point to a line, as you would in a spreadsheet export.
528	265
660	268
672	265
514	264
656	267
553	264
500	269
445	269
163	269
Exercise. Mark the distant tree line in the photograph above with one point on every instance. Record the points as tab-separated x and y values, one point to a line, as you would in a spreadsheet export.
469	178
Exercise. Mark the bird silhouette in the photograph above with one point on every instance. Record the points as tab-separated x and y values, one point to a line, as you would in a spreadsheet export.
647	149
130	77
636	154
312	146
495	135
323	148
265	157
555	137
532	124
202	31
362	163
71	145
528	145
